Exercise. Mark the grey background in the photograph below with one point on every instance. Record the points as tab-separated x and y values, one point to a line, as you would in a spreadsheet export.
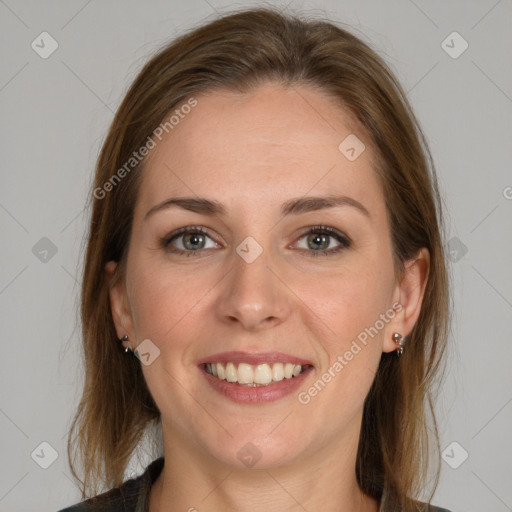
55	113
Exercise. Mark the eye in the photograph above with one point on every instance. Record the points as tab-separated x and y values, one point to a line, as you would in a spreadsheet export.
188	240
323	241
319	241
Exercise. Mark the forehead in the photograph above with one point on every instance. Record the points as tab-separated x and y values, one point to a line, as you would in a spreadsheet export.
270	143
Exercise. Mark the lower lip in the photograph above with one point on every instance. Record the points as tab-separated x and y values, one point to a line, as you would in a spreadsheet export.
259	394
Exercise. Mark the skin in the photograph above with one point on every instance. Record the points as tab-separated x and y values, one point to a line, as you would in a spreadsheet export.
252	152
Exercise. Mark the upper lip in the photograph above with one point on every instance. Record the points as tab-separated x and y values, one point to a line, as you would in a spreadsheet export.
253	358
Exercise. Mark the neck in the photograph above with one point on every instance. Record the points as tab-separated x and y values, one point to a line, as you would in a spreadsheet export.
324	481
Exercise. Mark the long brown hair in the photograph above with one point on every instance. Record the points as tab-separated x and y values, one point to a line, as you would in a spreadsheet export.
238	52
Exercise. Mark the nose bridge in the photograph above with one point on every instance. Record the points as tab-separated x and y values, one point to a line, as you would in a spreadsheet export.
252	295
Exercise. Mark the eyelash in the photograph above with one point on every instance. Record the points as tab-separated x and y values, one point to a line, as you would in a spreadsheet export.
344	241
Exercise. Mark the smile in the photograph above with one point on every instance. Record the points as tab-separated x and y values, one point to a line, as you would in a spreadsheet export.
254	375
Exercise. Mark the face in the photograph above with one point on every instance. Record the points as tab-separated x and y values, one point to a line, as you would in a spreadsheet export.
249	272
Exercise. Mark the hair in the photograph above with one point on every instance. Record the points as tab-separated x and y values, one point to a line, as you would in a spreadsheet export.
238	52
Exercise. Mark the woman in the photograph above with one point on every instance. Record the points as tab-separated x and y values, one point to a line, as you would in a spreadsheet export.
264	280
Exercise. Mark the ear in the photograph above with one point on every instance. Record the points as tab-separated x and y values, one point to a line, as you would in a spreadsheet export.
408	294
119	304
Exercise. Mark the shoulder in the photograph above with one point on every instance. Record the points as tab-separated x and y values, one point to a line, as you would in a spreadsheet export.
132	496
120	499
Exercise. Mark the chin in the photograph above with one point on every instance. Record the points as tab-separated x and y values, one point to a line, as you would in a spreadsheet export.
256	448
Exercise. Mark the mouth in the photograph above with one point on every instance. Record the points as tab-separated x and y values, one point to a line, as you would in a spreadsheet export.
255	378
246	374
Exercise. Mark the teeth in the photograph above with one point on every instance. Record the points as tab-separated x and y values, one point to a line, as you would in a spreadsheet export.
277	372
231	373
245	374
261	374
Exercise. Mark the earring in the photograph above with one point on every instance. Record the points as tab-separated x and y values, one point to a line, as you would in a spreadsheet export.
399	340
128	348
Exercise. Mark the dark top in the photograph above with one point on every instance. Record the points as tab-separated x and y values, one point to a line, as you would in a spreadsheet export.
133	495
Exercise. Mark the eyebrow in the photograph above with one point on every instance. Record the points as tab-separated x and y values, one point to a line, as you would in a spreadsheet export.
292	207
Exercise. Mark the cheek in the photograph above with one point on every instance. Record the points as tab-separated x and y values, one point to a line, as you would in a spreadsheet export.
168	309
345	314
347	302
169	304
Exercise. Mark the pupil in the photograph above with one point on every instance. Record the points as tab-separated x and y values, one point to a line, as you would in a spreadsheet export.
193	241
320	240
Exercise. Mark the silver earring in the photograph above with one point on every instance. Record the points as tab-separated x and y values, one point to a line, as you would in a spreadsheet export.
399	340
128	348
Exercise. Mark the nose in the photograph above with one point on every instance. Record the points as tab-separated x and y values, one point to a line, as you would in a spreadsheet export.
253	295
